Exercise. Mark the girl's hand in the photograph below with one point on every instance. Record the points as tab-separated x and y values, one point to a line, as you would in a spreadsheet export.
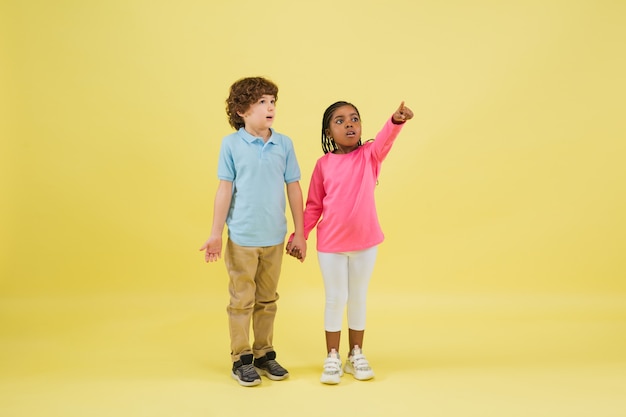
402	114
296	251
293	251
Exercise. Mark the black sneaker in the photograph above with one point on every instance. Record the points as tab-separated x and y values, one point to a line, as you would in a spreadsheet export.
268	366
244	372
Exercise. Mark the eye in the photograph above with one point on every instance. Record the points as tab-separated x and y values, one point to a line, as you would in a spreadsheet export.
339	121
355	119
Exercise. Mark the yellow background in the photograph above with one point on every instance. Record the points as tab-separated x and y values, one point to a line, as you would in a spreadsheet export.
500	289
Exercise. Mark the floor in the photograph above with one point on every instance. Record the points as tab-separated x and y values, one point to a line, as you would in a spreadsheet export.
433	354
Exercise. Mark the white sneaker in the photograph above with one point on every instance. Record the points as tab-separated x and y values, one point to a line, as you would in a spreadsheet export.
358	366
332	369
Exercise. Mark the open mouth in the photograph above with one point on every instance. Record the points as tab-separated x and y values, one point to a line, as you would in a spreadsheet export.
350	133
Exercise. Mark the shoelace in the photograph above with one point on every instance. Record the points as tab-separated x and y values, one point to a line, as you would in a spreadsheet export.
248	372
274	367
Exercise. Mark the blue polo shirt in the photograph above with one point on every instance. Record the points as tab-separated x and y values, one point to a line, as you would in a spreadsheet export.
259	172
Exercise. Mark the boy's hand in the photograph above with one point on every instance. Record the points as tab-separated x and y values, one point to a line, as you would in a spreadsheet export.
402	114
292	250
296	247
213	248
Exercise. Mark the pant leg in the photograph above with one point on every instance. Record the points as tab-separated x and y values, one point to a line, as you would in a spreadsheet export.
266	296
360	266
241	263
334	268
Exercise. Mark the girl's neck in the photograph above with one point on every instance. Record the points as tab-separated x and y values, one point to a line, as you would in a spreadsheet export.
344	150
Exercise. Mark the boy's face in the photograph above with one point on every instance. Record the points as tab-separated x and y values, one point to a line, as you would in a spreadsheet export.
260	115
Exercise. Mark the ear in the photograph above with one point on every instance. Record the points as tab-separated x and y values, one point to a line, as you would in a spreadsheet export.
327	133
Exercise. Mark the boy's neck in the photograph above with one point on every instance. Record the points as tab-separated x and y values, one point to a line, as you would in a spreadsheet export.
263	134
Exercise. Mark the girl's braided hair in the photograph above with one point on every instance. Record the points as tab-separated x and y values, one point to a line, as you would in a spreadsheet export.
328	144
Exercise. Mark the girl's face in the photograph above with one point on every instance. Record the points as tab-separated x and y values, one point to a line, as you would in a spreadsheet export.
345	129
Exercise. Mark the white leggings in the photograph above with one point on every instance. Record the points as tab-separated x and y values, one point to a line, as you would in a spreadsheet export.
346	277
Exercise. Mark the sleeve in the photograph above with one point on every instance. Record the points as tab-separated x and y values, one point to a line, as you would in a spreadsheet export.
292	168
385	138
225	164
315	199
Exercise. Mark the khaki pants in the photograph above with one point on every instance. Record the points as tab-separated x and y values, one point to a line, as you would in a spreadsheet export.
254	273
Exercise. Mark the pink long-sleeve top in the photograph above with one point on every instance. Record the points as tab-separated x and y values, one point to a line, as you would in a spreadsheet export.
341	195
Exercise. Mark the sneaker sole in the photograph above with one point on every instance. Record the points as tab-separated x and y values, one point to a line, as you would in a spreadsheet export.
246	383
356	375
330	380
263	372
363	377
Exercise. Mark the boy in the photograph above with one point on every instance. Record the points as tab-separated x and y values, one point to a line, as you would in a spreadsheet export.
253	165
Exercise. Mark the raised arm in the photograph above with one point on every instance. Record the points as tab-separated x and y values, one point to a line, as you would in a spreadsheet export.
388	134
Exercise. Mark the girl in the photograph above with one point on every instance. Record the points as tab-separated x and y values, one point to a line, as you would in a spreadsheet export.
341	194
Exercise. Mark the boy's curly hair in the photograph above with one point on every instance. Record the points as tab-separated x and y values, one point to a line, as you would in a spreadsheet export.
244	93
